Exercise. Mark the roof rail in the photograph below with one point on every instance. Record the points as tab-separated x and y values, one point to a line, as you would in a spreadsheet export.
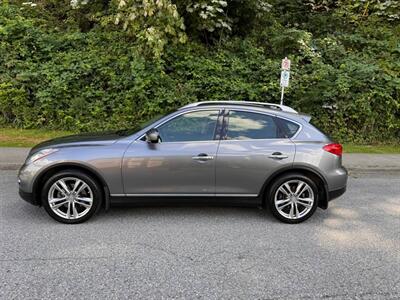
272	106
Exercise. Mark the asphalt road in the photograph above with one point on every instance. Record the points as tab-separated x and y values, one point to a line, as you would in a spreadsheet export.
352	250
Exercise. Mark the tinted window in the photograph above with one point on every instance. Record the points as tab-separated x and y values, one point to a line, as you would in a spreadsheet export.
289	128
194	126
247	125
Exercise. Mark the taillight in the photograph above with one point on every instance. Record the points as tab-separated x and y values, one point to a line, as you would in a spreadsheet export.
336	149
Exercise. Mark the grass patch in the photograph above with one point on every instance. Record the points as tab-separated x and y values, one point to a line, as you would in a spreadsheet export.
379	149
11	137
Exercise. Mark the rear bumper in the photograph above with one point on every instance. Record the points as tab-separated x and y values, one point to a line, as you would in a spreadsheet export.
337	183
336	193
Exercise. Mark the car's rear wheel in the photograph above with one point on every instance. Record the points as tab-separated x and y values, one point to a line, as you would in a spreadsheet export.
293	198
71	196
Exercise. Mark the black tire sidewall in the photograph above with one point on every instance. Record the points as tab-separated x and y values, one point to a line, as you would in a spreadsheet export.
95	187
277	183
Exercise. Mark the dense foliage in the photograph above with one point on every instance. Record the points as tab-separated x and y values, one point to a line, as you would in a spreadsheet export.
99	64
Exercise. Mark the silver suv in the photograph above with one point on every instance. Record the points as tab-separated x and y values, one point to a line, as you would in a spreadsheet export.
254	153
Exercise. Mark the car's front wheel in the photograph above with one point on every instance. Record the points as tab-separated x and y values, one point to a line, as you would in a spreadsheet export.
293	198
71	196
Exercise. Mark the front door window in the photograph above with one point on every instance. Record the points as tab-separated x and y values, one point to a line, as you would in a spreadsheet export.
190	127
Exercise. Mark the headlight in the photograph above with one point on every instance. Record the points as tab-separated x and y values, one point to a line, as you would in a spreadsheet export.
40	155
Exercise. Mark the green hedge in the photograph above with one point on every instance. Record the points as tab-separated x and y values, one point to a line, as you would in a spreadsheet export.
84	81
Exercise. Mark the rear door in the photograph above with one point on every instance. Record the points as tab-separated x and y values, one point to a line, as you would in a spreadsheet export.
253	146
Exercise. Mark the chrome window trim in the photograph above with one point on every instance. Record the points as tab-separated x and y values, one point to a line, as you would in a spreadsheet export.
200	142
248	140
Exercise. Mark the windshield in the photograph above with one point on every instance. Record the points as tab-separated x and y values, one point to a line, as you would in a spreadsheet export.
141	125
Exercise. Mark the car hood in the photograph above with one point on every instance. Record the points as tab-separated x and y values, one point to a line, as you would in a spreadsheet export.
83	139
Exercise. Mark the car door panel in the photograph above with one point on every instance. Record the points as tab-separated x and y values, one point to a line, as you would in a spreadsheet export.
243	166
182	164
251	150
169	168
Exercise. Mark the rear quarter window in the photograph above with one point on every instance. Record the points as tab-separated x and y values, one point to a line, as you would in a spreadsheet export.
288	128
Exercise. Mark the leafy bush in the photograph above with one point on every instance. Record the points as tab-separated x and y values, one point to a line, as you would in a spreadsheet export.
64	77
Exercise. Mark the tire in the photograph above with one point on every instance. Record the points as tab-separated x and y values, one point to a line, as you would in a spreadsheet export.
82	200
283	202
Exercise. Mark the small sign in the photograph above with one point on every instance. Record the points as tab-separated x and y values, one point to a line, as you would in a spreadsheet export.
285	75
285	64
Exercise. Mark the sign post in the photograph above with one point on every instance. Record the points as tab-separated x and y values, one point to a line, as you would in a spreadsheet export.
285	76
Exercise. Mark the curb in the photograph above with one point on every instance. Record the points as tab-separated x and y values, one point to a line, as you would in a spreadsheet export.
372	170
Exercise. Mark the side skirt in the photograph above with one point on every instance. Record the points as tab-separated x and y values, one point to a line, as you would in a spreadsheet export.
185	200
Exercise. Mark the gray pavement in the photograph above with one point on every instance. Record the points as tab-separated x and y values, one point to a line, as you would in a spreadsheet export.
350	251
12	159
371	162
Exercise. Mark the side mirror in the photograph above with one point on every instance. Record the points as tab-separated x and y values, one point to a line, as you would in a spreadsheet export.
153	136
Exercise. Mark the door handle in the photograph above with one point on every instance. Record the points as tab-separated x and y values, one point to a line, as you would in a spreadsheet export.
203	157
278	155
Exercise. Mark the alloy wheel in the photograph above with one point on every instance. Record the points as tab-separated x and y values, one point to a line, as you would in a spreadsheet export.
294	199
70	198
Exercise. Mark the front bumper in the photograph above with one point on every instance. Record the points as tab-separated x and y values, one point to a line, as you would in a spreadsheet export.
25	179
28	197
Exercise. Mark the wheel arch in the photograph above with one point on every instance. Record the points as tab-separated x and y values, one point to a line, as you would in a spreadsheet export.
308	171
48	172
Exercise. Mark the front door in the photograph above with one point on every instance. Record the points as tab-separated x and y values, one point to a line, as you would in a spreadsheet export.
182	164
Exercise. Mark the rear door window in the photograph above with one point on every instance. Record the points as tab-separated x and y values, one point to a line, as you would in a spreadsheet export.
243	125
